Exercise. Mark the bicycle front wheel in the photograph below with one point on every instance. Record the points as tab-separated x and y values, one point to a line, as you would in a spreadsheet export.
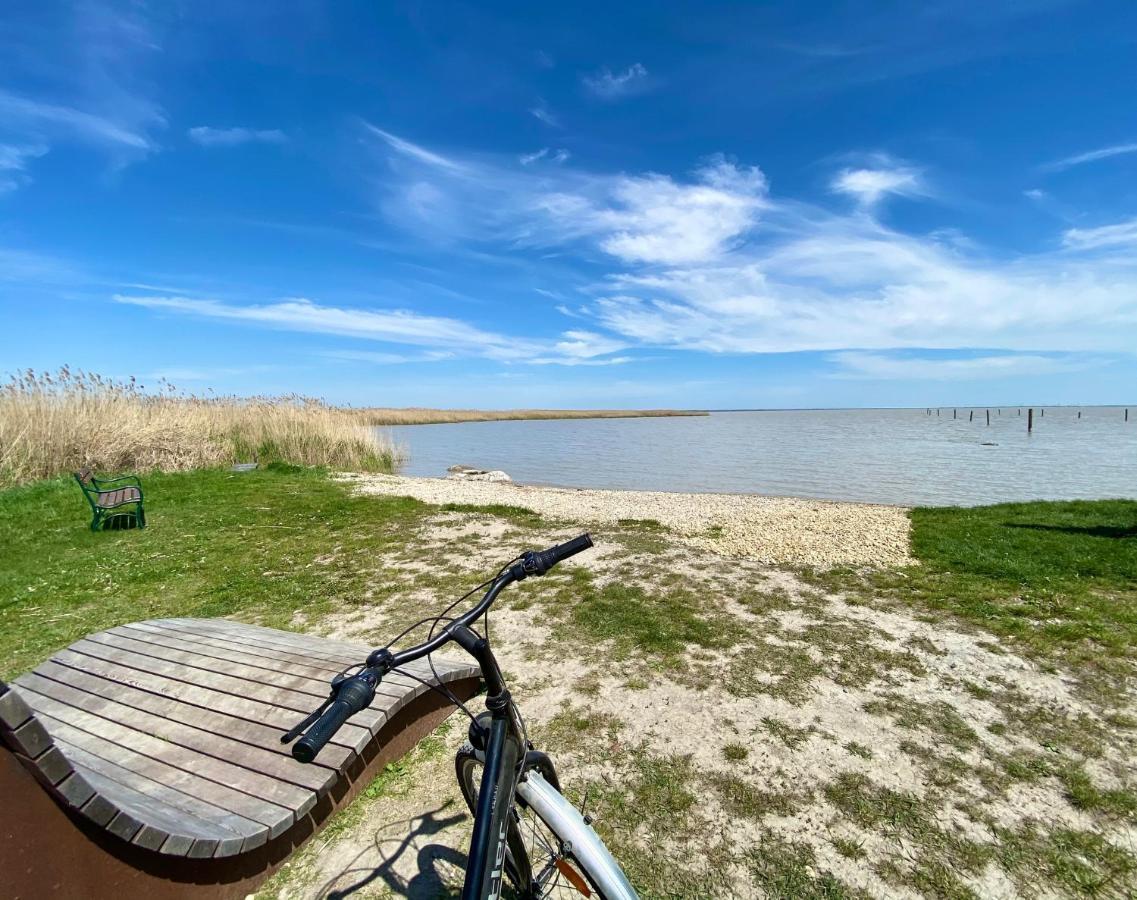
549	869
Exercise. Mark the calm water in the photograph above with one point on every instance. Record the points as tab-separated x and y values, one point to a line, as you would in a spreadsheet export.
900	456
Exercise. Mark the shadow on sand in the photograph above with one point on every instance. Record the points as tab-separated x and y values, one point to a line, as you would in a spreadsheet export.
1105	531
394	843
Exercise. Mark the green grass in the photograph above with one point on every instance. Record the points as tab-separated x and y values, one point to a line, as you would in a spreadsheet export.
253	544
1060	578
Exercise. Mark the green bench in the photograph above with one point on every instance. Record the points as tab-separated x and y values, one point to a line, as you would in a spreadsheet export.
109	494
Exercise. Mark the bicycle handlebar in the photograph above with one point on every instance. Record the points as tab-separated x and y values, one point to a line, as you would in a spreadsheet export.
354	694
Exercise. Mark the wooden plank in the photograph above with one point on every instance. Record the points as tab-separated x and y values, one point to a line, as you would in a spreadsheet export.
52	765
220	649
282	697
118	786
287	645
30	739
190	654
351	736
99	810
313	649
354	651
147	769
124	825
269	763
75	789
13	711
247	782
169	828
253	733
317	690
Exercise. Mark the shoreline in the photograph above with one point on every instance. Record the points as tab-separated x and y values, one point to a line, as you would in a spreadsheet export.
776	530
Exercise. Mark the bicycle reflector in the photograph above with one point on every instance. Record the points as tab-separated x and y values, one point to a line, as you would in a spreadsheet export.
573	877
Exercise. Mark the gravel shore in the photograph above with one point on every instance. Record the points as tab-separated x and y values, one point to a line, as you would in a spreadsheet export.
771	529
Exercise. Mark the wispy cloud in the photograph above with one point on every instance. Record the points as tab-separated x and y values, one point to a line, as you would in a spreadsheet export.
716	263
554	156
380	358
13	163
871	185
1121	234
609	85
414	151
542	113
902	367
1090	156
39	117
207	136
447	337
90	77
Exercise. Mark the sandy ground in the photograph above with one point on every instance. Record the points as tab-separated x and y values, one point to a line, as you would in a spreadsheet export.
770	529
761	732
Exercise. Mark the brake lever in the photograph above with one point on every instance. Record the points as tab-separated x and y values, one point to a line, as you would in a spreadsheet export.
293	733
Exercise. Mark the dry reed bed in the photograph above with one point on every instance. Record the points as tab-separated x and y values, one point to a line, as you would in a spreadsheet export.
420	416
53	424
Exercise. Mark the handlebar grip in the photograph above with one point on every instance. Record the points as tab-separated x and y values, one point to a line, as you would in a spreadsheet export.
540	562
324	729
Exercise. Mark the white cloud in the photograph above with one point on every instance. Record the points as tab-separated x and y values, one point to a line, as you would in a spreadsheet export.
609	85
542	113
1035	194
90	76
654	219
561	156
892	367
1091	156
40	117
449	337
527	158
713	262
1122	234
232	137
13	163
870	186
388	359
414	151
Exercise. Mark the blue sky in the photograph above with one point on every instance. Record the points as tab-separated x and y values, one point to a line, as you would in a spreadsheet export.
641	204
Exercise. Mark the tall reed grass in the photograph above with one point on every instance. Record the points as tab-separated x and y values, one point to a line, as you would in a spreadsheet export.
421	416
56	423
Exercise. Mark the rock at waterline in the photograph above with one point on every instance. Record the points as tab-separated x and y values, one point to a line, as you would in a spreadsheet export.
470	473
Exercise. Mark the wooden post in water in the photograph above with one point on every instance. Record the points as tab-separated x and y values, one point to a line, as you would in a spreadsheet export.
1029	421
1079	414
988	418
953	412
1041	413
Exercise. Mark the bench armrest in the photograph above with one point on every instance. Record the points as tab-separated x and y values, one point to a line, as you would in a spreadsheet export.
133	479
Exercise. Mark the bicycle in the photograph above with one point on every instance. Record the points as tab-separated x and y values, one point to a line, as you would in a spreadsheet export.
524	828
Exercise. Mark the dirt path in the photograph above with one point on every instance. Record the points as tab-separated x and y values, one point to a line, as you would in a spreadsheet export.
738	734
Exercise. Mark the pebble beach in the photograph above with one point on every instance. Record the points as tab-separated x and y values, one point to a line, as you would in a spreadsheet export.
777	530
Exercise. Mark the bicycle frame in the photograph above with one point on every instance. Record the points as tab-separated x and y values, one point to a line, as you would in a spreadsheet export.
511	768
485	866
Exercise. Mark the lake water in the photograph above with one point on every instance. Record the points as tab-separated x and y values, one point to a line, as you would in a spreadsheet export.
899	456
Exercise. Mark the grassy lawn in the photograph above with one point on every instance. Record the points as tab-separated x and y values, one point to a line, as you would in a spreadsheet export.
953	728
1059	578
255	545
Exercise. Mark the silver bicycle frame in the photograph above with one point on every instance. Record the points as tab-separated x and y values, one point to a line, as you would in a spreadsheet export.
580	840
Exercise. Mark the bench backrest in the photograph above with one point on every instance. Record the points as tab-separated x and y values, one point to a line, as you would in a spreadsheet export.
86	481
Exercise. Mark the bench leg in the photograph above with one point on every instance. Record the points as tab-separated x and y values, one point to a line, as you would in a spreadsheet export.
140	516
